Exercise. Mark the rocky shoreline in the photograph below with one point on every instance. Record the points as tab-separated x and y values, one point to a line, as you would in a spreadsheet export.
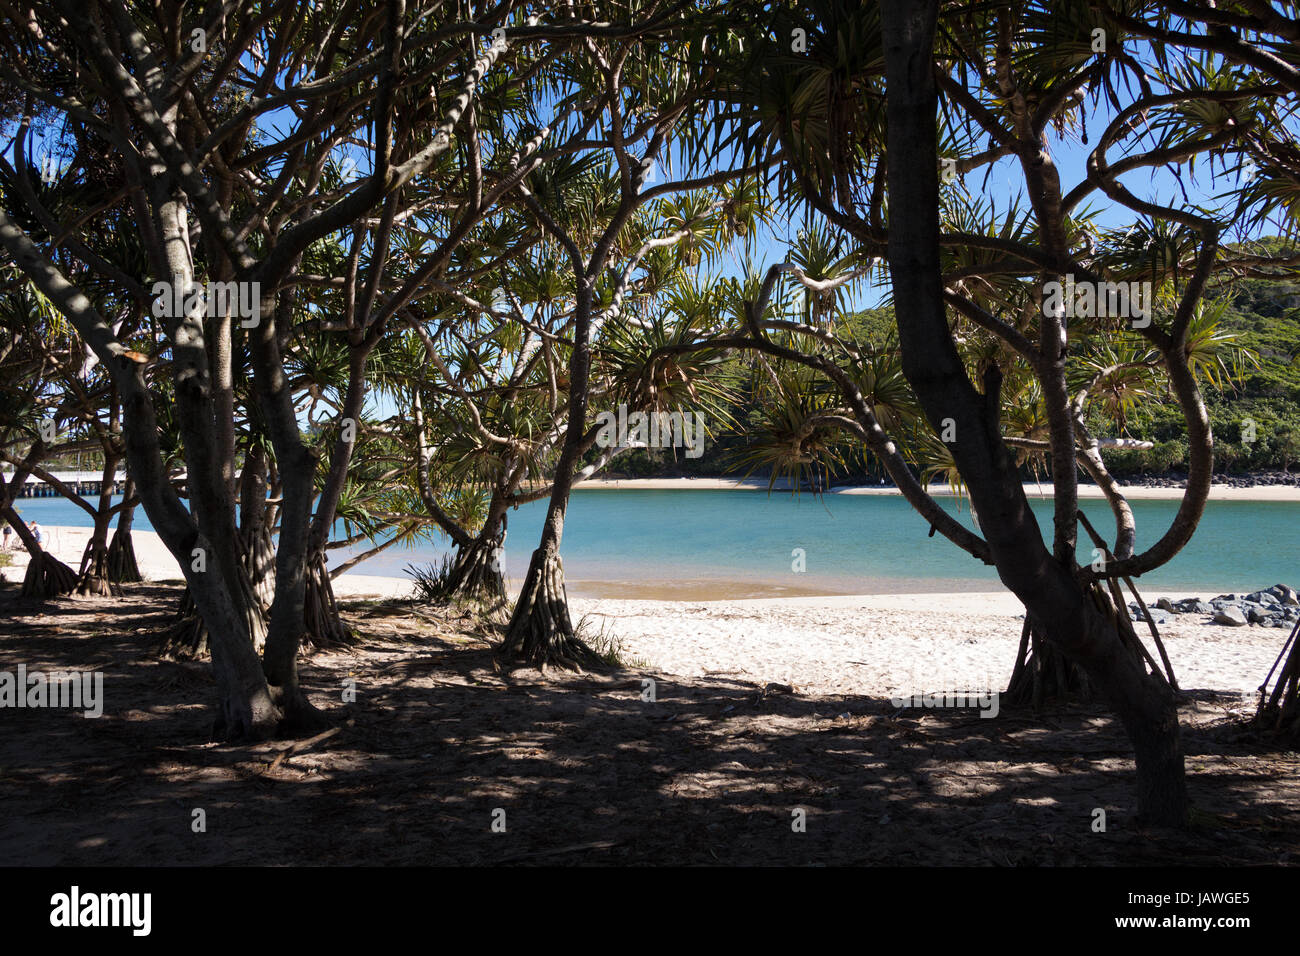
1173	479
1279	606
1243	480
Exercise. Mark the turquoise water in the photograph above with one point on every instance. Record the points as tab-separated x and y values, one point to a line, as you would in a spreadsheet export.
740	543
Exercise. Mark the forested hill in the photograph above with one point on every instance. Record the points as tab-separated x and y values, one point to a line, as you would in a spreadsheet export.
1259	386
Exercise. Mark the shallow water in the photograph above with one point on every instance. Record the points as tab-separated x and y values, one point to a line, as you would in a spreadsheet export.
697	544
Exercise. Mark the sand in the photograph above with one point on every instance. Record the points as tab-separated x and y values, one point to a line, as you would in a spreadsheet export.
879	644
894	644
157	564
588	770
1033	489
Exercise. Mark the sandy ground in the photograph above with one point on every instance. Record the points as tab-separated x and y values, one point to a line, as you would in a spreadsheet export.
439	741
879	644
157	564
893	644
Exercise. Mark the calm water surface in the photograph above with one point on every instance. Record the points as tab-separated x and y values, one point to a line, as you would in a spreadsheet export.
695	544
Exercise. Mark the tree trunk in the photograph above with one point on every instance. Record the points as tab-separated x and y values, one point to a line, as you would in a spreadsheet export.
47	576
1043	675
1143	699
295	466
540	631
324	627
186	638
1146	706
122	567
94	577
1279	711
247	708
256	518
1078	619
477	576
259	565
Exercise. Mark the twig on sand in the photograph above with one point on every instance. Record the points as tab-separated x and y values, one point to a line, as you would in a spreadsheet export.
576	848
302	745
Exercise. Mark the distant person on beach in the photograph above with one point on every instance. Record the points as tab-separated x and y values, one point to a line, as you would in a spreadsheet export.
38	534
8	532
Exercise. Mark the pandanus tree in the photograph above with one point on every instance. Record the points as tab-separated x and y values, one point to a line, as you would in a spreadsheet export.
1259	41
486	415
62	406
510	133
30	414
81	395
858	110
486	385
221	132
187	112
639	97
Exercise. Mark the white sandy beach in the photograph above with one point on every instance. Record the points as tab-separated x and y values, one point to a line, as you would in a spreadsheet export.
879	644
157	564
1033	489
886	644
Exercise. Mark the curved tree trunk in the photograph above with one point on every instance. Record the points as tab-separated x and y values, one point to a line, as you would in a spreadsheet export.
1078	617
47	576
